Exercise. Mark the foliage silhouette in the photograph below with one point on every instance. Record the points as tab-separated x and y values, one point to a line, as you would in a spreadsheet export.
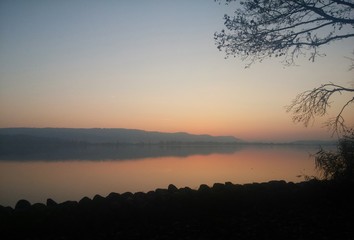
338	166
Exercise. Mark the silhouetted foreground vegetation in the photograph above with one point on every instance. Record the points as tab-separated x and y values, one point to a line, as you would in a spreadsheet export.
273	210
339	165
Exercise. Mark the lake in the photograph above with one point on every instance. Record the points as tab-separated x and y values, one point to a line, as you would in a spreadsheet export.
71	174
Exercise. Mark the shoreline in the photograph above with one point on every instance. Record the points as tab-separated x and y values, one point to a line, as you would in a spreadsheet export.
44	203
276	209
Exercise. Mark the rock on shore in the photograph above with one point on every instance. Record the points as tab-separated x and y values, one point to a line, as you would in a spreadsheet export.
273	210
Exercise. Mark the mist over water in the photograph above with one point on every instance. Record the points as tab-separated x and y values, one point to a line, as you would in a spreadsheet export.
77	172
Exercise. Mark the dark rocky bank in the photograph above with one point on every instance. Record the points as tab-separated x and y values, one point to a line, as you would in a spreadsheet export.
273	210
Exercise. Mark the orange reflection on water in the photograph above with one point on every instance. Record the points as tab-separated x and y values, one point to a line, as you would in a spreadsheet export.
71	180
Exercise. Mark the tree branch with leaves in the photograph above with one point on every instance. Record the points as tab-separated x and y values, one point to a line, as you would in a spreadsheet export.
263	29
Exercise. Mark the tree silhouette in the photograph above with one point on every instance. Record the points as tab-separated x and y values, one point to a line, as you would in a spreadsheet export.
288	29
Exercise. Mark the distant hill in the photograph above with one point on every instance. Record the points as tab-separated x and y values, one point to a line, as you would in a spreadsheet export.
107	135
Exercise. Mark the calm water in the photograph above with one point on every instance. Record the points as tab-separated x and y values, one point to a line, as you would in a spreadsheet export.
72	174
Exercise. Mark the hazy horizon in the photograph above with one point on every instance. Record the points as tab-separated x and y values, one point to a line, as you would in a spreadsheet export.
149	65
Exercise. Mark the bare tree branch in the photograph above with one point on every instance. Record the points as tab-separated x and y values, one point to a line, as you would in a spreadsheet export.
337	124
315	103
323	14
344	3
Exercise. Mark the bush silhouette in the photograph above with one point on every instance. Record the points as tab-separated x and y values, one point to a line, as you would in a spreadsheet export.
338	166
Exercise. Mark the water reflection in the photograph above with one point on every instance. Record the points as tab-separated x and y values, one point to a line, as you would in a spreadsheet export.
130	152
109	152
153	167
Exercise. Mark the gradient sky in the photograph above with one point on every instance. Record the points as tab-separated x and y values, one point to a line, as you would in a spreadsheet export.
149	65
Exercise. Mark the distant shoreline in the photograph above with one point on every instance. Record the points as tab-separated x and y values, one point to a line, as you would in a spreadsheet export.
122	136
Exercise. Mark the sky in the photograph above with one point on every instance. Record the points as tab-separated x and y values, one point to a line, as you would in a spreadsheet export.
150	65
